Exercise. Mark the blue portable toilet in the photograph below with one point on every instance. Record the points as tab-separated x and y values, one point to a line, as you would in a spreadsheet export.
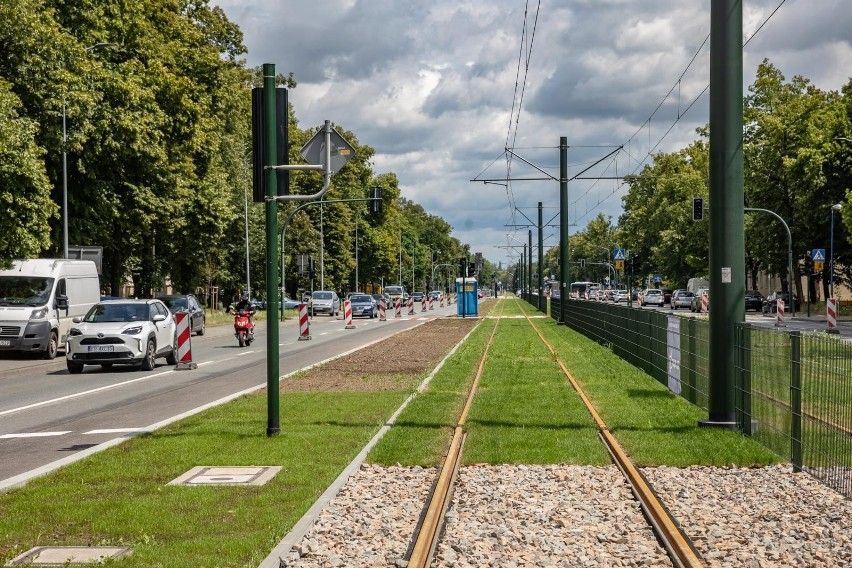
467	301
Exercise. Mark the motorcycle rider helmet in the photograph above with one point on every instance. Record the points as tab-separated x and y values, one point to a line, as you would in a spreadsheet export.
244	296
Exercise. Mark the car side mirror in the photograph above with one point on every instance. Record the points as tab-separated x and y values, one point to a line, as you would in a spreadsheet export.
77	319
158	318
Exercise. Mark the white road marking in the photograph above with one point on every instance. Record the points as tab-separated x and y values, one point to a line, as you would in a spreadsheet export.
34	434
83	393
116	430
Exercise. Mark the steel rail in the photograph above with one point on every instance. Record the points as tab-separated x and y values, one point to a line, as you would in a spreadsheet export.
427	533
678	545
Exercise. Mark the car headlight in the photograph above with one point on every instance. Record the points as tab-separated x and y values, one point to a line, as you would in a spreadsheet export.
39	313
136	330
74	332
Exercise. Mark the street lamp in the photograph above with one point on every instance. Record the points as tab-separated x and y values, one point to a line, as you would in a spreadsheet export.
65	165
835	207
432	255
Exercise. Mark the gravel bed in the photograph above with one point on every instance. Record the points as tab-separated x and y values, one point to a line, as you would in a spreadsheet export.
558	515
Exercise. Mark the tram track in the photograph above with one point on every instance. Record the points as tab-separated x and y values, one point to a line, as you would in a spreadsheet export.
428	530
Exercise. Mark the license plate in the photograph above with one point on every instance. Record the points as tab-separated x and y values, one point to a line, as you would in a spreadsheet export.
5	342
100	348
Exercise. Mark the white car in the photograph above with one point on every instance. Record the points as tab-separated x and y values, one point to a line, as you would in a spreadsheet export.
621	296
652	296
325	302
122	332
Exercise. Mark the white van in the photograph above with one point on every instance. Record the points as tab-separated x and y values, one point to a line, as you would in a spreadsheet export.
38	300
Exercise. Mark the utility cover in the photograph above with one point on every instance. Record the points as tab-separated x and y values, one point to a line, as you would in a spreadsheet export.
341	151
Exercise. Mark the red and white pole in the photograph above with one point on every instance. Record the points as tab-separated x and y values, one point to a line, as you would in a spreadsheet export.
779	313
382	309
397	306
184	344
410	306
304	323
423	304
831	315
705	303
442	301
347	314
431	303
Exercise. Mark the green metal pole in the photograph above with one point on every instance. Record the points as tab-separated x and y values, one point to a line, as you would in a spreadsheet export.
272	420
541	303
727	242
530	271
564	253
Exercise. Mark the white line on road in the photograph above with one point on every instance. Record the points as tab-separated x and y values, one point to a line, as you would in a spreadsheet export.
34	434
116	430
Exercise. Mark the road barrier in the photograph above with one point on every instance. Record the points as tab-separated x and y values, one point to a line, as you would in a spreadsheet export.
705	303
397	306
442	301
410	306
779	314
382	308
347	314
304	323
431	303
423	304
184	344
831	315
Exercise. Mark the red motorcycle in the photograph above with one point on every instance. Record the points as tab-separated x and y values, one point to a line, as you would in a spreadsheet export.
244	327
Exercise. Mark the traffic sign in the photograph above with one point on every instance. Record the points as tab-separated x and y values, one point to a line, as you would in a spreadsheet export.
658	278
341	151
818	266
619	265
618	254
818	255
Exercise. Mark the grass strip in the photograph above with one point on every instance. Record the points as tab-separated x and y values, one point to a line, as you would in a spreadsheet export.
655	426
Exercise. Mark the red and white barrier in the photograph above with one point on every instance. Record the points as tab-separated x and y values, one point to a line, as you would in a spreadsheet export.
397	306
442	301
184	344
347	314
431	303
410	306
831	315
382	309
423	304
304	323
779	313
705	303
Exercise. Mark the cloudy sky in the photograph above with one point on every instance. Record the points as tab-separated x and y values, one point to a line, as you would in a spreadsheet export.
441	88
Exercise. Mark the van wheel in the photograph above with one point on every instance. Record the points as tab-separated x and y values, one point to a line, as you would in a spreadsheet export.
149	361
52	346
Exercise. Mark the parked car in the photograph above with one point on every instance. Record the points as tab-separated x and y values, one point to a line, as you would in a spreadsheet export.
258	304
417	297
122	332
681	299
290	304
364	305
190	304
754	300
770	304
652	296
695	305
667	295
325	302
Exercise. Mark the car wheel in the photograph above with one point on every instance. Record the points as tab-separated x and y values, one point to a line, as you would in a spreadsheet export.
171	358
74	368
149	361
52	346
200	332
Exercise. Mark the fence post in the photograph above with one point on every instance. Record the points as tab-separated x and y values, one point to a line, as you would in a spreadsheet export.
693	361
744	349
796	399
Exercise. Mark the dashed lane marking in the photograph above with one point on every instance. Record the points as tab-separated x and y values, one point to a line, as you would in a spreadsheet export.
34	434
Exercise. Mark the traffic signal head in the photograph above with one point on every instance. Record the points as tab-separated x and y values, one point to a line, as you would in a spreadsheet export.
697	208
462	267
582	263
376	201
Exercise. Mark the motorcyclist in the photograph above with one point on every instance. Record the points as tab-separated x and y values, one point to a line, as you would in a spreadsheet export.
244	304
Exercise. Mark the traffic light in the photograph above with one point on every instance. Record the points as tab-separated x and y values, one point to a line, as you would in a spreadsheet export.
582	263
471	270
462	267
258	142
312	268
376	201
697	208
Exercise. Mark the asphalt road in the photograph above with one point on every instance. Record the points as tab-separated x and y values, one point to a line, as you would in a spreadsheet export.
49	417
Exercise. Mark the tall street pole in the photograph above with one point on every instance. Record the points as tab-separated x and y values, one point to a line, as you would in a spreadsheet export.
273	425
530	271
541	302
727	241
64	185
564	257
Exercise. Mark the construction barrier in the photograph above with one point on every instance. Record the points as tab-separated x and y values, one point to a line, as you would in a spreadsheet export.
705	304
304	323
397	306
382	308
347	314
831	315
442	301
431	303
779	313
410	306
184	344
423	304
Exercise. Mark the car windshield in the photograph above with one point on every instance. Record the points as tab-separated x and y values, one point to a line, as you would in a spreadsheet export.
393	289
322	295
361	299
24	290
175	304
101	313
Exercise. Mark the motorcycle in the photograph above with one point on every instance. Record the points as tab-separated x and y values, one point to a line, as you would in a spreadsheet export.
243	327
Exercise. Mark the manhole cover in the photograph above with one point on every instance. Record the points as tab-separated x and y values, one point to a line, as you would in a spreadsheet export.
227	475
65	555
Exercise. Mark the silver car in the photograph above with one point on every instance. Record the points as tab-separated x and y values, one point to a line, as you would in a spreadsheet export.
652	296
324	302
122	332
681	299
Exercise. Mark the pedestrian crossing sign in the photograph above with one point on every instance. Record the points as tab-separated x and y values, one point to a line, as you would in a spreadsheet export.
618	254
818	255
